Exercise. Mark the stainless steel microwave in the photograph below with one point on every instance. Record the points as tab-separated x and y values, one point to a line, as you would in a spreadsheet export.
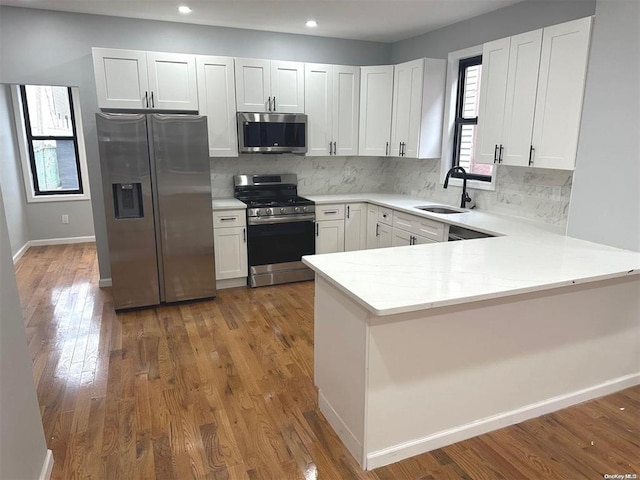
272	133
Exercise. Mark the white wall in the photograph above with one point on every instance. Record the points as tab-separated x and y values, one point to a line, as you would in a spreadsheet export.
605	201
11	175
22	444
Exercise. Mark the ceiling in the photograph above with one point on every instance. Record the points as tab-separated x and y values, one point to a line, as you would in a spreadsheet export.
375	20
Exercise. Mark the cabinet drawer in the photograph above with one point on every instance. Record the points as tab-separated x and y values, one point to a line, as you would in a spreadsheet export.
385	215
229	218
423	227
329	212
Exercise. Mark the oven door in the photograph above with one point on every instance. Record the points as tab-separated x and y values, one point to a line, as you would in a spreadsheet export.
280	242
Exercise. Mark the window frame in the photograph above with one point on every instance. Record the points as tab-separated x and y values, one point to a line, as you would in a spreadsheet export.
460	121
451	96
26	155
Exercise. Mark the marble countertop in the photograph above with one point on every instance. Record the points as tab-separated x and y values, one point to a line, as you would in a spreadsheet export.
227	204
525	257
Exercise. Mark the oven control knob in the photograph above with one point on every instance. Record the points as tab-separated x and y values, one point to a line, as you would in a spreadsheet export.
304	209
283	210
258	212
296	209
269	211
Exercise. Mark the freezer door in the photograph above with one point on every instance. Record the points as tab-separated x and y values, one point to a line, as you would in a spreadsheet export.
183	185
126	178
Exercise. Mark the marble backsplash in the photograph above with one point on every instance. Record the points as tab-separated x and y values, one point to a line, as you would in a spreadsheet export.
532	193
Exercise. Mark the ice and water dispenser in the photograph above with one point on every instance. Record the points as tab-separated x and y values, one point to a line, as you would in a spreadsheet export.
127	200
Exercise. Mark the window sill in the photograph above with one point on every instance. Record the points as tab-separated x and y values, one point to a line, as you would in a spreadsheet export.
57	198
475	184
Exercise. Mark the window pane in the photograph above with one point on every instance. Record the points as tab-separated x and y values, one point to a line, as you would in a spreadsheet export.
467	158
56	165
49	110
471	93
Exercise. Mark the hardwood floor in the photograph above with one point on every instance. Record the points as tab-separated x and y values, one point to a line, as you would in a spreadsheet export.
224	390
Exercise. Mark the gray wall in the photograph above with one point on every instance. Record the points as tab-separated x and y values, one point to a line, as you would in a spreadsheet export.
38	46
11	175
22	445
605	201
518	18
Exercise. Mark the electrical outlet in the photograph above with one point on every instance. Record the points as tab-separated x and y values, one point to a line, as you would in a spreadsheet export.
65	218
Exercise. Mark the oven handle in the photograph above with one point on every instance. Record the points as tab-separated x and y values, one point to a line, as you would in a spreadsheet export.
281	219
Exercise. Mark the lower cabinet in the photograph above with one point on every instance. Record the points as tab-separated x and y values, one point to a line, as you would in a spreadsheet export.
230	247
401	238
355	227
330	228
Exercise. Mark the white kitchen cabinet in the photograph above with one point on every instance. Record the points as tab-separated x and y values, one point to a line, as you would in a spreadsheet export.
563	71
418	103
531	96
330	228
269	86
230	248
355	227
379	227
376	98
372	226
401	238
385	235
217	100
133	79
332	98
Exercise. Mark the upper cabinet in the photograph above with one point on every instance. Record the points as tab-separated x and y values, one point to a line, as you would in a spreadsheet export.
217	100
132	79
332	97
418	104
269	86
531	94
376	97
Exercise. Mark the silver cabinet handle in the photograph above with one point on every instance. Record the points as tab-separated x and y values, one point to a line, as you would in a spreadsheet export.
146	99
228	219
274	103
317	229
330	147
500	155
348	211
377	229
495	153
330	212
400	149
153	103
386	149
269	104
335	148
244	235
531	150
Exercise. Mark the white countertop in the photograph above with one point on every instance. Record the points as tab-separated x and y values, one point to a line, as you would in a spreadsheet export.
528	258
227	204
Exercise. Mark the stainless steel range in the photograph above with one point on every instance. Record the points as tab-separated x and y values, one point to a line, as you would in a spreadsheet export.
280	228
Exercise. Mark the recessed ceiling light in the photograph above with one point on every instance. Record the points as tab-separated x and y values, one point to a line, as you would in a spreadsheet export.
184	9
311	23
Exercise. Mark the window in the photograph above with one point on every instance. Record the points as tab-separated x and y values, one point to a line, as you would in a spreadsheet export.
51	140
466	120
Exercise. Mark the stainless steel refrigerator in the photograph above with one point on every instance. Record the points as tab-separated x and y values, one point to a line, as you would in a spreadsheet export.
157	191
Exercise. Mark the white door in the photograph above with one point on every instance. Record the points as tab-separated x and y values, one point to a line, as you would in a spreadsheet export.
376	95
372	226
400	238
563	69
522	83
217	100
172	81
287	87
121	78
230	246
385	235
355	227
407	107
493	87
253	85
330	236
346	107
318	104
418	240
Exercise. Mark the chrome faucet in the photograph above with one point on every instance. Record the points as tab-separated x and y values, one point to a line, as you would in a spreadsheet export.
465	196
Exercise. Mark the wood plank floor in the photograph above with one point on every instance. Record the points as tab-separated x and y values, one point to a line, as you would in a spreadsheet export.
224	390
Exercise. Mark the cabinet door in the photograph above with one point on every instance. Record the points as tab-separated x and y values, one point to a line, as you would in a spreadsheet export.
253	84
376	94
287	87
493	87
385	235
172	81
372	226
355	227
400	238
121	78
418	240
563	68
318	104
217	100
522	83
346	106
407	106
330	236
230	246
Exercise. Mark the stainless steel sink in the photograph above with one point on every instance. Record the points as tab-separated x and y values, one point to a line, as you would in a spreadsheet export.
439	209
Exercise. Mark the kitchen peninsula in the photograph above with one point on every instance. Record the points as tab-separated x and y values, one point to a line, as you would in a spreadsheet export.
419	347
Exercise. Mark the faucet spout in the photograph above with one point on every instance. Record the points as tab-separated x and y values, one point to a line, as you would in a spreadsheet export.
465	196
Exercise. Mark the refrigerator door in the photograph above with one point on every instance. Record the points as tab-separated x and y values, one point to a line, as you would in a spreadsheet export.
126	179
180	151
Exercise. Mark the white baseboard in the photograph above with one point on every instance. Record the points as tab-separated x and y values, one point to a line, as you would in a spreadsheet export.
105	282
21	252
231	283
348	438
47	466
61	241
447	437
